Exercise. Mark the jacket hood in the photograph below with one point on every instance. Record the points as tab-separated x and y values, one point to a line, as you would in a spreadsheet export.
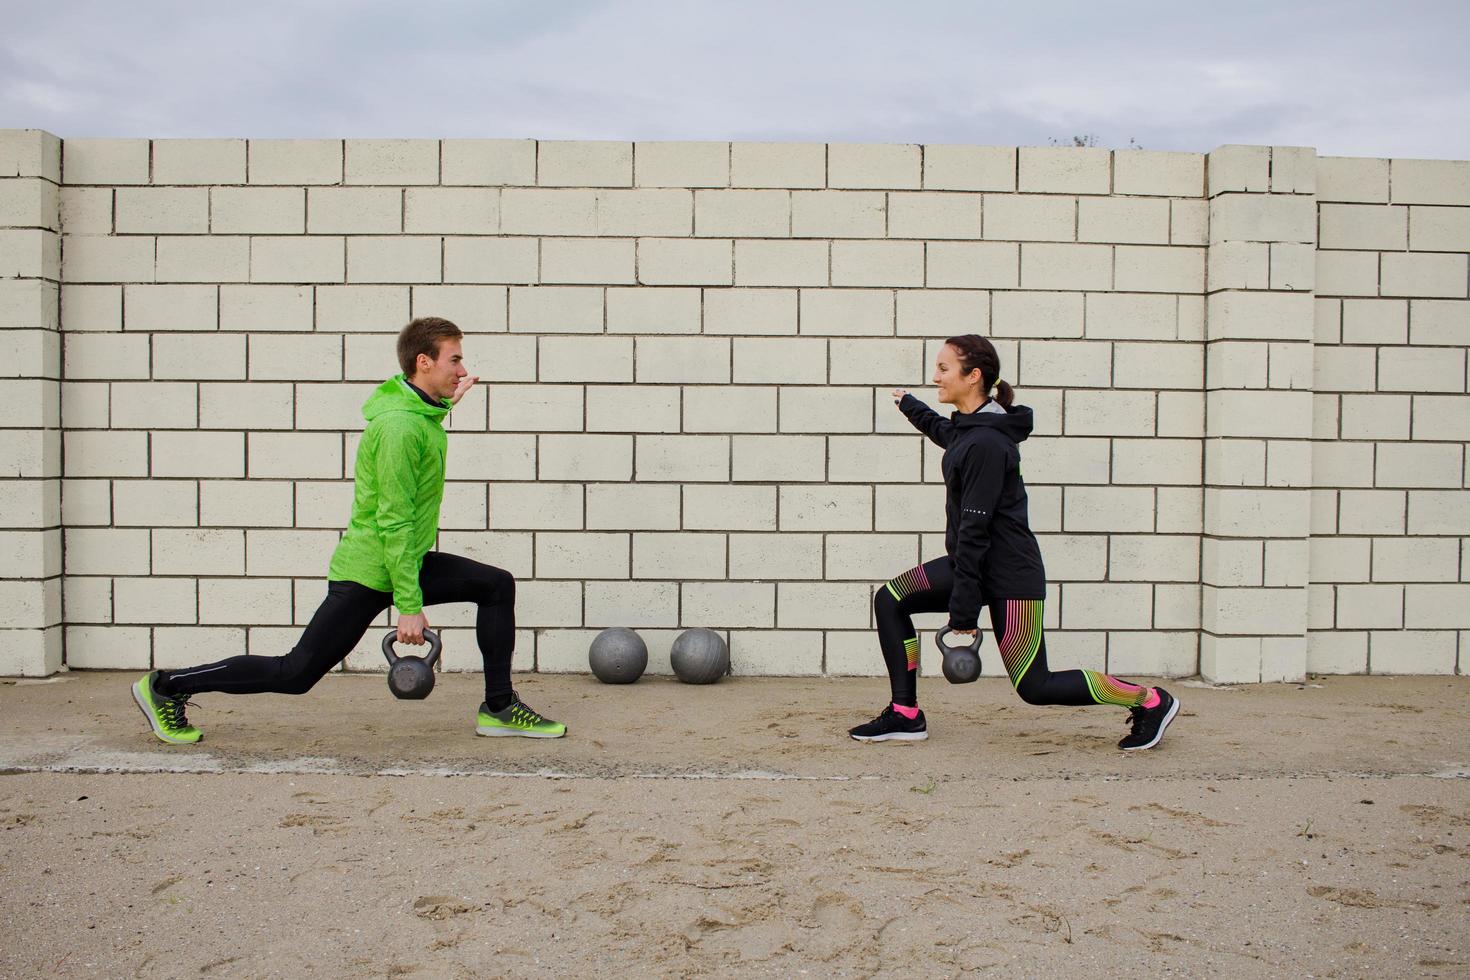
1014	423
394	395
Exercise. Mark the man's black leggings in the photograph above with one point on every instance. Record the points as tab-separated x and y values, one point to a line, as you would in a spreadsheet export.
344	617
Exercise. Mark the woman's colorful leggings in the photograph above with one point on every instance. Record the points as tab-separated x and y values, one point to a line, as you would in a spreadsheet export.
1017	625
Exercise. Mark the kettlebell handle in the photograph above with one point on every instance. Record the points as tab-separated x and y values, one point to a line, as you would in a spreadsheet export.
974	643
434	647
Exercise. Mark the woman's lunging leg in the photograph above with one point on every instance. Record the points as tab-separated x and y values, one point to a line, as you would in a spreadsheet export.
1018	631
923	588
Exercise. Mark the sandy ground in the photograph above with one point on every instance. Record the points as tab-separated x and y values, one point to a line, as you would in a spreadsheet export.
1287	830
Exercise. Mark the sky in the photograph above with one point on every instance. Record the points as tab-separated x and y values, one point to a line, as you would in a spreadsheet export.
1349	78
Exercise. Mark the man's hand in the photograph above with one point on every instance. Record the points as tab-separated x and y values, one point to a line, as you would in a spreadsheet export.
898	394
411	629
460	390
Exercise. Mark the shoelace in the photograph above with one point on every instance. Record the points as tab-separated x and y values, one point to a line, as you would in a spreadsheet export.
1135	719
172	711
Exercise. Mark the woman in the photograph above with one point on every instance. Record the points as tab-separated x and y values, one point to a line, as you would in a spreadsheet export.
992	560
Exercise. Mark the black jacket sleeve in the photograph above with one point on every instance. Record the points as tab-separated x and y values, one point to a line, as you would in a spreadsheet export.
982	476
926	420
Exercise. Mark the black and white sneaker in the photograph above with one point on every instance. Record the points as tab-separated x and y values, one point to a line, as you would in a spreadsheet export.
891	726
1148	724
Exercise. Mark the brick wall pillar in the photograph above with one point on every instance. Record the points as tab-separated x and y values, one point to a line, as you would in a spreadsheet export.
1258	412
30	420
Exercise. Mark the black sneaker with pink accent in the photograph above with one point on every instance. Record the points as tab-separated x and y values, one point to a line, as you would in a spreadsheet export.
891	726
1148	724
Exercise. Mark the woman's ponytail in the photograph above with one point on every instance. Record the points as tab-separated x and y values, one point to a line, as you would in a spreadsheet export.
1004	393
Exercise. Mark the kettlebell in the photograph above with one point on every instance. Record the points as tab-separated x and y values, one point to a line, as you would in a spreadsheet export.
411	678
961	664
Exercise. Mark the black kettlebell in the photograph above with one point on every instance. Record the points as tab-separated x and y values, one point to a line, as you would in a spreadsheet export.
411	678
961	664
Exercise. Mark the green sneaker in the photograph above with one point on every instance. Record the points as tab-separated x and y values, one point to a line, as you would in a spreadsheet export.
164	714
518	718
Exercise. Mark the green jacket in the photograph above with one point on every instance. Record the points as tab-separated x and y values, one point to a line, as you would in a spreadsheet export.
398	486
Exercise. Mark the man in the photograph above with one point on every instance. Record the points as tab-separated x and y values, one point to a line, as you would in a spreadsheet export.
383	559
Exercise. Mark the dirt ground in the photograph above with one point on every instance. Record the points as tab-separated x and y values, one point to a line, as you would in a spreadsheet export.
732	830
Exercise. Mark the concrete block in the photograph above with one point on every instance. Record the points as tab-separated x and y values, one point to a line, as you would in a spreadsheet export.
754	213
200	259
581	555
1155	653
1035	314
1344	368
584	163
681	164
198	551
1254	611
1106	605
1286	563
1171	365
1337	652
1430	182
1435	465
1075	557
1370	606
823	605
1375	416
394	161
353	309
280	357
251	309
682	458
1437	606
775	263
589	261
1256	513
847	312
1293	170
153	405
646	604
1260	316
1363	226
1066	266
783	654
683	360
632	408
32	305
87	600
1327	321
877	362
1189	222
252	503
84	258
1352	179
487	163
556	309
1442	417
1419	369
934	215
776	556
665	213
294	455
1064	170
30	153
297	259
1138	221
973	265
257	210
793	360
1421	274
941	312
536	211
108	647
106	551
105	161
1293	266
1344	464
245	601
1159	269
826	410
395	259
632	507
1156	461
826	508
1148	172
1416	560
1375	321
198	161
34	203
1445	322
1412	652
1019	218
870	557
682	262
475	456
285	161
1339	559
1239	168
881	165
105	356
726	409
543	604
1111	509
1290	366
852	653
294	552
585	457
30	504
778	165
197	454
679	556
536	506
1064	363
252	405
663	311
728	508
749	311
33	503
1152	558
492	260
1262	218
155	503
1179	510
770	459
31	453
354	210
1347	273
970	168
1433	229
152	308
1067	461
451	211
1239	265
839	214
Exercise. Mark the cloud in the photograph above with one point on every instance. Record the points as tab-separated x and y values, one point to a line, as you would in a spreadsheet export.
1347	77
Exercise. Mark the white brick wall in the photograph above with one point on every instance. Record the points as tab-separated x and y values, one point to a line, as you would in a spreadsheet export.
686	350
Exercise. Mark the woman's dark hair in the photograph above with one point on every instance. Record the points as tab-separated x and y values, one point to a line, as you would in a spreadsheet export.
423	336
977	352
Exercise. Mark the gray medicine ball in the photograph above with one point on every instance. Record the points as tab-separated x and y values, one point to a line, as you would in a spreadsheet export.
699	656
618	656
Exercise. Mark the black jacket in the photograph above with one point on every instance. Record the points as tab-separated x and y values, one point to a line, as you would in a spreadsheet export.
986	531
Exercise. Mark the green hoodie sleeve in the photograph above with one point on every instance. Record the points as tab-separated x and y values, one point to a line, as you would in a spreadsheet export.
400	450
